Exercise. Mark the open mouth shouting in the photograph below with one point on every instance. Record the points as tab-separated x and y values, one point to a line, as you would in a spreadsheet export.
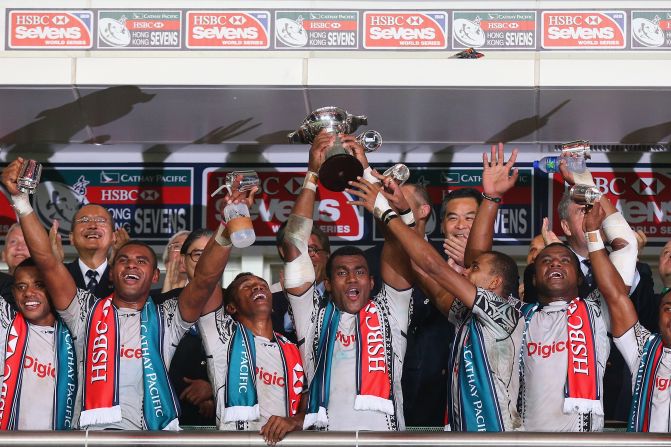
31	304
555	274
259	296
130	277
353	293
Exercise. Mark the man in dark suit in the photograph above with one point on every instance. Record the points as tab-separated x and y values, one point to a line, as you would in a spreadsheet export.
92	236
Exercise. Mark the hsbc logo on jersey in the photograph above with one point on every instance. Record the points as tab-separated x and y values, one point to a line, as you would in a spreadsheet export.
411	29
49	29
584	29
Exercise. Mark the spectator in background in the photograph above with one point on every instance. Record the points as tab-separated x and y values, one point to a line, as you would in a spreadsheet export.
458	211
14	251
92	236
188	369
665	267
175	272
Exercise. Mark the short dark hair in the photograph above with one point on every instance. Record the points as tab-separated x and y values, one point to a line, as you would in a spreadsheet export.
28	262
347	250
462	193
140	244
193	237
506	267
231	291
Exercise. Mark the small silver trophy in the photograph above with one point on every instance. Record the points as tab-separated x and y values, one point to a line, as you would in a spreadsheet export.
29	176
340	166
399	172
585	194
248	180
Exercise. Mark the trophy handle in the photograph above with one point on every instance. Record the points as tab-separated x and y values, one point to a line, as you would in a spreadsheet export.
298	136
371	140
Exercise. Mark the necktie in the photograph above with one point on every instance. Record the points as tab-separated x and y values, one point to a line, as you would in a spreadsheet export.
93	282
589	276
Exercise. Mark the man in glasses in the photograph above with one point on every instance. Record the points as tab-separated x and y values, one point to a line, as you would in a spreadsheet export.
92	236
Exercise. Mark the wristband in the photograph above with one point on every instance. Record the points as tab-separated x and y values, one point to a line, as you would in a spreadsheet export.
407	217
221	238
381	206
594	241
21	204
389	216
491	199
310	181
368	175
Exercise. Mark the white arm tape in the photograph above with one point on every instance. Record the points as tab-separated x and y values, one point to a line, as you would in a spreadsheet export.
300	270
221	239
583	178
594	241
616	227
408	219
310	181
21	204
368	175
381	206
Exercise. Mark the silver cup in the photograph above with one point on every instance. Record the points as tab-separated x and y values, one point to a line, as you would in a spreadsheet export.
340	166
585	194
29	176
249	180
399	172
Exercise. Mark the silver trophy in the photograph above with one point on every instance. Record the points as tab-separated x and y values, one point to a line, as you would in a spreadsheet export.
29	176
399	172
340	166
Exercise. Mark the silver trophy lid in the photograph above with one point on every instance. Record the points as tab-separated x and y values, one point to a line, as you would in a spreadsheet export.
333	119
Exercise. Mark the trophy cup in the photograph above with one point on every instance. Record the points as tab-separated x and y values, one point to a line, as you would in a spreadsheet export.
340	166
29	176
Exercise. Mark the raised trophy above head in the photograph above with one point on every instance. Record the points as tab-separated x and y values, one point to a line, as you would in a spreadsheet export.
340	165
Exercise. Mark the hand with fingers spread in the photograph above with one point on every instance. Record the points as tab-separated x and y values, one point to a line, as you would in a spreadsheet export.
56	242
367	194
277	428
498	176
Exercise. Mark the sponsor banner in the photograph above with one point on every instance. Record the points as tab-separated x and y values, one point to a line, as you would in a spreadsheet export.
139	30
514	222
151	204
49	29
275	200
651	29
415	30
316	30
641	193
496	30
246	30
591	30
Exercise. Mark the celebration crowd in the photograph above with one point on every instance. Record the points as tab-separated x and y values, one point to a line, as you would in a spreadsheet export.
404	334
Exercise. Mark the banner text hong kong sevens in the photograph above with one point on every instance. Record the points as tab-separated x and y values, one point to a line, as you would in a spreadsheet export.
276	198
150	203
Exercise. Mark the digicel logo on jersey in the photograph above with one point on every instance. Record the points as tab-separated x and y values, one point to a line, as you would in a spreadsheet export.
50	29
587	29
405	30
231	29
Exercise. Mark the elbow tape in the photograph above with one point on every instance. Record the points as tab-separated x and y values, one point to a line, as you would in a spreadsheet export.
616	227
300	270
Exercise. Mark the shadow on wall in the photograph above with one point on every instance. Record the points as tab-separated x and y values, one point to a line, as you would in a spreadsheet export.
60	124
526	126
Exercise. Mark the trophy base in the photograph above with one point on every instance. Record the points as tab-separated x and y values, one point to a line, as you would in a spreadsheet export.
338	170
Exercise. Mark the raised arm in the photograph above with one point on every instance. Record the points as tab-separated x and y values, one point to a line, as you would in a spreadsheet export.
496	181
210	266
611	285
59	282
419	250
298	270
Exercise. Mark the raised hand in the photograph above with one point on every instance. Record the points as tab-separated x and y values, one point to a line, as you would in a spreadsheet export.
366	192
10	175
549	236
498	177
322	142
594	216
350	142
392	192
56	242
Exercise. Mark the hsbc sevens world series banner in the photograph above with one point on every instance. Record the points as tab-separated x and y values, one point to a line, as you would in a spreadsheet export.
642	194
515	219
150	203
275	200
